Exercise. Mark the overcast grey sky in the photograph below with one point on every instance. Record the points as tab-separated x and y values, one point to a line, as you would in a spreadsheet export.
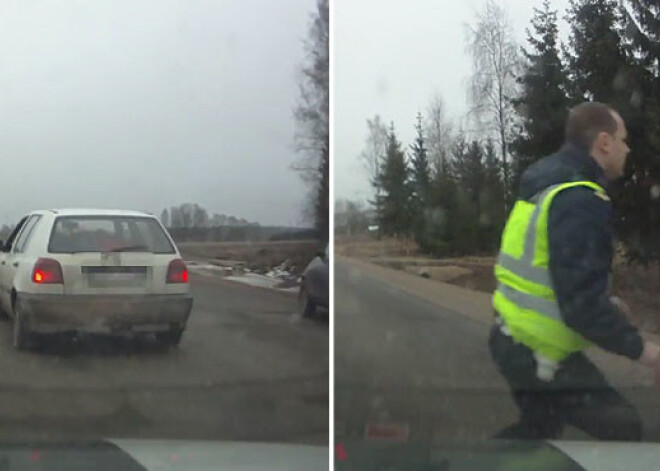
149	103
391	57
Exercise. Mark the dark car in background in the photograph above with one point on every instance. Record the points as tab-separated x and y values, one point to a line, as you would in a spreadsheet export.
314	286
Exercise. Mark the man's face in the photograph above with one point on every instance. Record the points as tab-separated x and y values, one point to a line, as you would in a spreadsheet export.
621	149
615	150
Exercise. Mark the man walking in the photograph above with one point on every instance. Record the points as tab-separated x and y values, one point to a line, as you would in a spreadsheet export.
552	298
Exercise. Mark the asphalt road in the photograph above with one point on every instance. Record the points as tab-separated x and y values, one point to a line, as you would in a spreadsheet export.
403	362
246	369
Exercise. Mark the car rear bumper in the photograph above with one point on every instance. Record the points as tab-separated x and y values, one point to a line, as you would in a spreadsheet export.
104	314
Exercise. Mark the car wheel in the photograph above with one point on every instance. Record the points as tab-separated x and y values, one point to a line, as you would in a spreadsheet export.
306	306
170	338
22	338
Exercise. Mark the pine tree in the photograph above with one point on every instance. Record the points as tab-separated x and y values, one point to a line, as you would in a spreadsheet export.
469	168
543	104
596	60
394	203
492	217
641	31
421	183
642	28
420	164
492	167
638	216
439	234
468	171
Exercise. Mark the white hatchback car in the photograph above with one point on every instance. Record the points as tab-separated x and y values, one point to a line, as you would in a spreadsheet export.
96	271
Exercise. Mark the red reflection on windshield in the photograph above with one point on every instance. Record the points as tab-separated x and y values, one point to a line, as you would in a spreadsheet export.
341	452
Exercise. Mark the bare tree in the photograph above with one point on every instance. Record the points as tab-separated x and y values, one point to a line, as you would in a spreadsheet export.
356	218
375	148
312	115
495	65
200	217
439	132
176	218
165	217
186	211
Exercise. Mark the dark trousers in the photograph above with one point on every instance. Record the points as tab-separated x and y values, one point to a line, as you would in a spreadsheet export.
579	395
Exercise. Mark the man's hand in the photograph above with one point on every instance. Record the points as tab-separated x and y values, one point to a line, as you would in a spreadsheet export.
621	305
651	359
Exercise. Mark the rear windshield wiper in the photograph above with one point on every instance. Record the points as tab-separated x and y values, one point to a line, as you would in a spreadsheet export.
130	248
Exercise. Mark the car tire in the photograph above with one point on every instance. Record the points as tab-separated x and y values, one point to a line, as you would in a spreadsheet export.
306	307
22	337
171	338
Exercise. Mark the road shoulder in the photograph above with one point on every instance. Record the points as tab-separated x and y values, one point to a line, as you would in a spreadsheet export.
473	304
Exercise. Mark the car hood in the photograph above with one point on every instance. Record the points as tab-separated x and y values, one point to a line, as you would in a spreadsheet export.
498	455
161	455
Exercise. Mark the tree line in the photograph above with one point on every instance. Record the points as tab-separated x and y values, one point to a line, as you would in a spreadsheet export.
452	187
192	216
450	201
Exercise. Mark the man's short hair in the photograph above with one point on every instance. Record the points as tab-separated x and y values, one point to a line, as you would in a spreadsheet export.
587	120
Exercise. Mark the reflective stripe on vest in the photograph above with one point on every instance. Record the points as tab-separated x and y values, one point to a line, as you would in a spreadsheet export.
525	297
533	303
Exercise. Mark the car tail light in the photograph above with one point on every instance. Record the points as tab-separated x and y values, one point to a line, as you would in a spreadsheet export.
177	272
47	272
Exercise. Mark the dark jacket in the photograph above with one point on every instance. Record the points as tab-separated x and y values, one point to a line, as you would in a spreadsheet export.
580	238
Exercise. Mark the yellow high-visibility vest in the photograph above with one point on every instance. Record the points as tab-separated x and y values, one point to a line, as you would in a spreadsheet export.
525	297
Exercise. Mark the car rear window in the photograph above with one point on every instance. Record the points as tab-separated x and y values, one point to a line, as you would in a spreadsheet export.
73	234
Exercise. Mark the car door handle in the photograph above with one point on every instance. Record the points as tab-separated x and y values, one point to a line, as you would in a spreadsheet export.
4	263
15	264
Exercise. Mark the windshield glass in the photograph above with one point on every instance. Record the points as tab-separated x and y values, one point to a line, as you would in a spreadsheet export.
104	234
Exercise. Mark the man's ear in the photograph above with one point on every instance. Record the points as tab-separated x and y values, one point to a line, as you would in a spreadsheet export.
603	142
